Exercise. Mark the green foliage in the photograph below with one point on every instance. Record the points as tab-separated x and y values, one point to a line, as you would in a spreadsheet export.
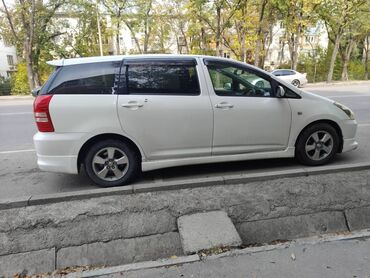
19	83
4	86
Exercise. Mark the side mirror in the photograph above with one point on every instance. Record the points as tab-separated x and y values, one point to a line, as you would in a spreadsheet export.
280	92
35	92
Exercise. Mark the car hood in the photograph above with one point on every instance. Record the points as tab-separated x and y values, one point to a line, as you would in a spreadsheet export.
309	95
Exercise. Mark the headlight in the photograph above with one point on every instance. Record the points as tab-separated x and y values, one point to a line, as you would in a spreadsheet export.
346	110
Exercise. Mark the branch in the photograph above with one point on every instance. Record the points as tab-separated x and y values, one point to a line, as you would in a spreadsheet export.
10	21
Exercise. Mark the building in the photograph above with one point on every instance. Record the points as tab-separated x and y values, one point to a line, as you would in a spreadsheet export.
314	38
8	58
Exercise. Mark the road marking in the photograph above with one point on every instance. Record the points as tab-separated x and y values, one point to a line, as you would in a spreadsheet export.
363	125
15	113
17	151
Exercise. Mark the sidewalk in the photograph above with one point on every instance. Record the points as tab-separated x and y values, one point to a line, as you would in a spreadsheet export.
337	256
337	83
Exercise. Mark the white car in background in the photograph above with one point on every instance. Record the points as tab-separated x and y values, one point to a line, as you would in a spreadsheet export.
291	76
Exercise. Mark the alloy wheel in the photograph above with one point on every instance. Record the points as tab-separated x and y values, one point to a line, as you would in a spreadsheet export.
319	145
110	164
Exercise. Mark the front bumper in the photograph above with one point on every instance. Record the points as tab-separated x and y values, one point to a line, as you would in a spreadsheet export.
349	145
349	129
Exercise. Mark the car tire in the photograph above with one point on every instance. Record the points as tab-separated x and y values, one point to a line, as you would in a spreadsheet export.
296	83
317	144
112	163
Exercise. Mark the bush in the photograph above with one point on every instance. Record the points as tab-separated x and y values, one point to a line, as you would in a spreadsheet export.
4	86
19	84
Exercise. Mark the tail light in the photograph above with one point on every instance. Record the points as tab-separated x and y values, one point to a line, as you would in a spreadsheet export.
42	115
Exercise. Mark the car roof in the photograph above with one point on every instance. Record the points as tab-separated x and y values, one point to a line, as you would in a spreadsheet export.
116	58
113	58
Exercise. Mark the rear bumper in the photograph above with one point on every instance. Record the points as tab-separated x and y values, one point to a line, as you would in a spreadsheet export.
60	164
57	152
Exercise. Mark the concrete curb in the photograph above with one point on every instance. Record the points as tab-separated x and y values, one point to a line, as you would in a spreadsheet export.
15	97
195	258
336	83
177	185
135	266
307	240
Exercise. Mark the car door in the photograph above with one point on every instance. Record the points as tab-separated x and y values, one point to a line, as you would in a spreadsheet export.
247	118
164	106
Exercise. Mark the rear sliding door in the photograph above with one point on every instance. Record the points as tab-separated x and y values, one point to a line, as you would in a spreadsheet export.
162	107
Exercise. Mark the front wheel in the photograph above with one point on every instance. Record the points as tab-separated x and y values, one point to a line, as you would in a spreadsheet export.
111	163
317	145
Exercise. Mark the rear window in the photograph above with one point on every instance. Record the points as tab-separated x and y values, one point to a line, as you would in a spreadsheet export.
92	78
162	80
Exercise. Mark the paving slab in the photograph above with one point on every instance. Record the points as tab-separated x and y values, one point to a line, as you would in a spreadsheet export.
207	230
358	218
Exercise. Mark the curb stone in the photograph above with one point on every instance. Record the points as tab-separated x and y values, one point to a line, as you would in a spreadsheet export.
136	266
176	185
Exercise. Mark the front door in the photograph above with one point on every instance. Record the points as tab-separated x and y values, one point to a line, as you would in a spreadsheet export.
247	115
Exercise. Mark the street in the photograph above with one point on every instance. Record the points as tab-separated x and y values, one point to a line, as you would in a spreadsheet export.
19	175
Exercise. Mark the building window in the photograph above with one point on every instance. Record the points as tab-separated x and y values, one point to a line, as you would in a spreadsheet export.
10	60
6	42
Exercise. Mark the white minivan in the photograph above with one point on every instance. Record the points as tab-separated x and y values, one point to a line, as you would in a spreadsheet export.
119	115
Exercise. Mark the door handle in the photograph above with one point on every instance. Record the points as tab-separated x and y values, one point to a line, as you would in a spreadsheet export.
132	104
224	105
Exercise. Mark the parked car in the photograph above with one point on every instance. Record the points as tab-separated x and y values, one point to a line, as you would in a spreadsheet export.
291	76
119	115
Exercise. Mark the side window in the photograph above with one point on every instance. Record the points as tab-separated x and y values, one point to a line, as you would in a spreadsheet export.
288	72
277	73
163	79
92	78
232	81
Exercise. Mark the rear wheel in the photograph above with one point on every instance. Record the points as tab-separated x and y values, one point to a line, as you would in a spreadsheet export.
317	145
296	83
111	163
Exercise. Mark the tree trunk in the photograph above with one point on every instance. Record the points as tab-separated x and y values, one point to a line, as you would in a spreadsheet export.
118	43
346	55
259	41
133	34
29	65
218	32
334	57
366	77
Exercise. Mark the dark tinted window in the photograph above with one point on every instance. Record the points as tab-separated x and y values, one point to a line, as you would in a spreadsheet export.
277	73
288	72
163	79
93	78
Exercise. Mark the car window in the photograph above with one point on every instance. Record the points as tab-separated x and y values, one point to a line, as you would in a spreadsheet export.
288	72
277	73
233	81
163	79
91	78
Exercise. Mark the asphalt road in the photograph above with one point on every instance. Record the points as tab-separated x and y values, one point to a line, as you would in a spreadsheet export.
19	175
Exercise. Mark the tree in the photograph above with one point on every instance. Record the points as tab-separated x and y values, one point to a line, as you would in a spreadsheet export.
296	17
28	28
338	16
